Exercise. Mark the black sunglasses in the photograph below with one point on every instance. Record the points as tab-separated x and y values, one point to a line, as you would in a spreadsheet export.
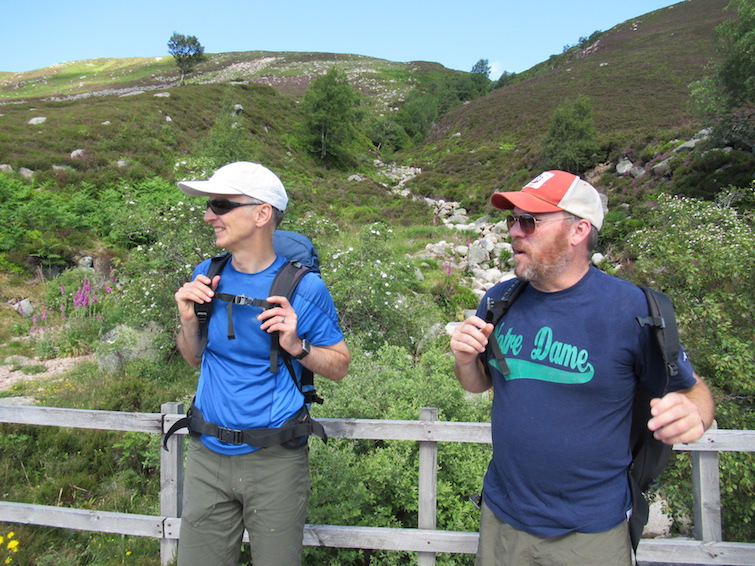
527	222
222	206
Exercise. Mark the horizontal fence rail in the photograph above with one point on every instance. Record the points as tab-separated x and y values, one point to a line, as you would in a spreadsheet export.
426	540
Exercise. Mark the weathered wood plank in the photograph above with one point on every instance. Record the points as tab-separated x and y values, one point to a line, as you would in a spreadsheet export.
687	551
77	418
82	519
171	483
431	431
380	538
427	487
722	441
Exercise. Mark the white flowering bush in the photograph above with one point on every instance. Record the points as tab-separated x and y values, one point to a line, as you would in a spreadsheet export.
703	256
376	292
175	240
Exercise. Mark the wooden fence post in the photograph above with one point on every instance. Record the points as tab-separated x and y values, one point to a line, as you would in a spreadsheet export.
171	482
428	485
707	490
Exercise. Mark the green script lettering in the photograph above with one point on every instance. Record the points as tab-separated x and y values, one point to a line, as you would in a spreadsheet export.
512	342
558	352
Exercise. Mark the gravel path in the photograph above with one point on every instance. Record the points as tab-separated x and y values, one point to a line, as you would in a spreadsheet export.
55	367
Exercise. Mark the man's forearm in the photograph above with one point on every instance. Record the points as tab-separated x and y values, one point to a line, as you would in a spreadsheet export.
472	377
329	361
187	342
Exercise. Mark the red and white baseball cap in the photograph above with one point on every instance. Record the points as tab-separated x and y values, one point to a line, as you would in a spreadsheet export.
553	191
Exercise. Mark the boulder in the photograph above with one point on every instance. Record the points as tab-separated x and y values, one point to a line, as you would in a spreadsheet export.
624	166
123	344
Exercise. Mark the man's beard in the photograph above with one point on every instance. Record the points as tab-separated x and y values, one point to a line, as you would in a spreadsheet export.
547	265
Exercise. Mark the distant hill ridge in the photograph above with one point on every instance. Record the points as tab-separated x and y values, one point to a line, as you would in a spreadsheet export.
636	75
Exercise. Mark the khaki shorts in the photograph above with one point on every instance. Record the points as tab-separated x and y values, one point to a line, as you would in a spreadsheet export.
503	545
265	491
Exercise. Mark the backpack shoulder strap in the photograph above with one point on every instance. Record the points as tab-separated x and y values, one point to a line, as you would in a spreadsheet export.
284	285
204	310
650	456
662	320
495	311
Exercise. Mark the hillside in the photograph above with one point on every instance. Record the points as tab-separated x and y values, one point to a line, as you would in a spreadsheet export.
636	75
130	120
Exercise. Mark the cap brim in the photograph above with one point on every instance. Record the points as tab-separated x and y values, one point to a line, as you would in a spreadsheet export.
203	188
525	201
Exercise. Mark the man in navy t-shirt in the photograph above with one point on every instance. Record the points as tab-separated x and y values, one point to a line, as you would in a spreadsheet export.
232	485
557	491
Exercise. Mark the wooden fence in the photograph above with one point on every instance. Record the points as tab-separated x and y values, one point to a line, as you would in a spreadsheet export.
426	540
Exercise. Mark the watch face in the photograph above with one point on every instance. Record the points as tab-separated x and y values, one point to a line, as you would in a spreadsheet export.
304	349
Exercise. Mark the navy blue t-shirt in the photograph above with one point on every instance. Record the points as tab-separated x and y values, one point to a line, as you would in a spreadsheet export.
561	419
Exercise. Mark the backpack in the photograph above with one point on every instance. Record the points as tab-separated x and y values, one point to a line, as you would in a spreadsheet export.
649	456
303	258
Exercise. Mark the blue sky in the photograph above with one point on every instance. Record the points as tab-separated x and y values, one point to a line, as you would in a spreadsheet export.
513	35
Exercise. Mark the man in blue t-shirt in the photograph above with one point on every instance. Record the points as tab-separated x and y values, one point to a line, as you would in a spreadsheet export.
232	485
556	491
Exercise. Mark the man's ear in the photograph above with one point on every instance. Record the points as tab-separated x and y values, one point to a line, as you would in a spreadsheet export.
264	214
580	231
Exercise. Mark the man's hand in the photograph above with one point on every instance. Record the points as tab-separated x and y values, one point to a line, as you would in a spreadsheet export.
468	340
282	319
676	419
200	290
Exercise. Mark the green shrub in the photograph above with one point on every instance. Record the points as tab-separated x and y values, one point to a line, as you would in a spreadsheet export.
703	256
381	476
376	292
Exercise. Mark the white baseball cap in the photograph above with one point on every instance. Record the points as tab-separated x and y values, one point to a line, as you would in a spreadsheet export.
241	178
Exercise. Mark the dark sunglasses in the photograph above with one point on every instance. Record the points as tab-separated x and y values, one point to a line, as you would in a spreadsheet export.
222	206
527	222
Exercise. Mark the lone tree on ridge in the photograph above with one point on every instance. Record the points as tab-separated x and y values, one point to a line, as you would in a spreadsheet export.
187	51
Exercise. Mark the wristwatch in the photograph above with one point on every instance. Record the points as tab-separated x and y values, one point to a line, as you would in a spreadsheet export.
305	345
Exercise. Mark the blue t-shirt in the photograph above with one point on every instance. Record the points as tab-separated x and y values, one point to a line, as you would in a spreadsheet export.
236	387
561	419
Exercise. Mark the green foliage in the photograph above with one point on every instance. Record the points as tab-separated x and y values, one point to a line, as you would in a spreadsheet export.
376	292
726	97
480	76
172	240
418	114
703	256
387	135
710	170
571	143
187	51
382	475
330	106
506	78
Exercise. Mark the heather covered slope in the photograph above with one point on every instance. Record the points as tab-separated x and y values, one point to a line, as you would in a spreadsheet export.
636	75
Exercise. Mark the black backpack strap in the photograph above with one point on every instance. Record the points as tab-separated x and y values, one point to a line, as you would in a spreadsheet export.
284	285
204	310
663	322
292	433
495	311
650	456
